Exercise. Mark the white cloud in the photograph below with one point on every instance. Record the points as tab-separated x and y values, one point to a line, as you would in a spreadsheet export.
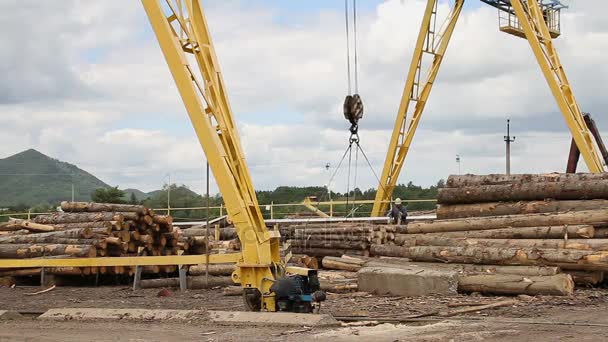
86	83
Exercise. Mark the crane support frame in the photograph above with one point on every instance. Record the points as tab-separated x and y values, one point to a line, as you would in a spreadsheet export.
536	31
431	43
181	29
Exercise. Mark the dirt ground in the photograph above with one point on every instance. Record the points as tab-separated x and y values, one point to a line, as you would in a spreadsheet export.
578	318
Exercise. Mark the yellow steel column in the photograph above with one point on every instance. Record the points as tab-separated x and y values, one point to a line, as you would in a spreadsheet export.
537	33
434	44
206	102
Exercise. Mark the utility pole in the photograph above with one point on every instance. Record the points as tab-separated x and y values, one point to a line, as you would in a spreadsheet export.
458	162
72	192
169	196
508	141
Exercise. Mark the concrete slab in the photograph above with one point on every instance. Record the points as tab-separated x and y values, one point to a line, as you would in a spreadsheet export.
6	315
121	314
407	281
272	318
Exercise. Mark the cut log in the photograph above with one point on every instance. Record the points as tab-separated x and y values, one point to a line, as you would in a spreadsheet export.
112	225
339	287
333	263
214	269
584	278
33	227
31	251
84	217
327	252
232	291
525	192
336	237
584	244
452	211
336	230
34	239
162	219
558	232
555	285
193	282
459	181
329	244
98	207
83	233
563	258
586	217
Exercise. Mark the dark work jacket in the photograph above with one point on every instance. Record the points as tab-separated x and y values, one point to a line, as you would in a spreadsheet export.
396	212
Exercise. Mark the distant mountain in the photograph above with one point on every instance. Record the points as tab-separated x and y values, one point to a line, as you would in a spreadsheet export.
140	195
31	178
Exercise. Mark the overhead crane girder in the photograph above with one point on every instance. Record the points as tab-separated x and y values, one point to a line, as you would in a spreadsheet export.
538	22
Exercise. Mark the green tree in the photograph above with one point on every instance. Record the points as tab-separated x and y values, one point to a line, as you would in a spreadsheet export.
133	199
108	195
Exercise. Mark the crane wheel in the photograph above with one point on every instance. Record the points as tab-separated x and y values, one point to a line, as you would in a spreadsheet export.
252	299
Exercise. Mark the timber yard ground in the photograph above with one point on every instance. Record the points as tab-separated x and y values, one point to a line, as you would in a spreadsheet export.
581	317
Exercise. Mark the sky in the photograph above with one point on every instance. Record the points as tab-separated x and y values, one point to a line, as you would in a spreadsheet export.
86	83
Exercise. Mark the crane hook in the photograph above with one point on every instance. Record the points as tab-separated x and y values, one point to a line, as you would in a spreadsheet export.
353	111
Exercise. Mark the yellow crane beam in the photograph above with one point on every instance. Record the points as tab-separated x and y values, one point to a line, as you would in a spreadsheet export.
183	35
429	42
531	18
537	33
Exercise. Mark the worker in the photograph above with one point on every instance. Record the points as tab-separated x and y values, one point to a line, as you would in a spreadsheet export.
398	212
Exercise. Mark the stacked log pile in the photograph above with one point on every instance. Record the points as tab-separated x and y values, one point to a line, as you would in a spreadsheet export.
527	220
339	238
92	230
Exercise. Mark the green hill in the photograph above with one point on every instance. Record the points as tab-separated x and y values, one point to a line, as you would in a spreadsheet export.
140	195
31	178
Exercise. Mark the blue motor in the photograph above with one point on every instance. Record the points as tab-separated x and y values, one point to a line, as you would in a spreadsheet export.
297	293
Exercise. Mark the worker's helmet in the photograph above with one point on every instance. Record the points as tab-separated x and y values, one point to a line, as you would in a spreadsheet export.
398	201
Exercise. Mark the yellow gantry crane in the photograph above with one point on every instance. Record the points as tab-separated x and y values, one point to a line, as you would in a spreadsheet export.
182	32
535	20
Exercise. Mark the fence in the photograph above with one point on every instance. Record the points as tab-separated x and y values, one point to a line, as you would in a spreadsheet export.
271	210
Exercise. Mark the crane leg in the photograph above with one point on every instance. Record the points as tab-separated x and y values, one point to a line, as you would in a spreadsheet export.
429	43
537	33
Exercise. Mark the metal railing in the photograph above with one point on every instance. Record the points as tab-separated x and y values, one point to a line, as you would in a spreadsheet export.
270	211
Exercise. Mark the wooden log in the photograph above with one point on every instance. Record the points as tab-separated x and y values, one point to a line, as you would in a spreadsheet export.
32	227
214	269
563	258
583	244
555	285
601	233
557	232
587	278
97	207
193	282
452	211
22	251
524	192
84	217
334	263
330	244
162	219
337	237
232	291
9	227
342	287
36	271
459	181
327	252
586	217
112	225
336	230
34	239
83	233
